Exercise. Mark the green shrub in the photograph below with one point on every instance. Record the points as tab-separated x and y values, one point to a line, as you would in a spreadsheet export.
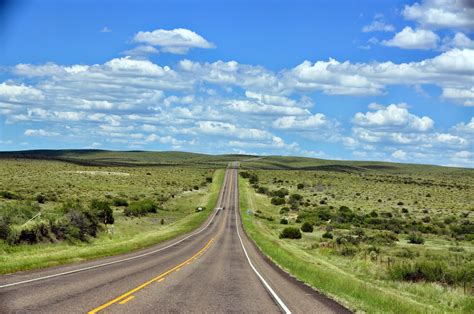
262	190
345	214
9	195
422	270
307	227
300	186
253	179
280	192
290	233
284	210
103	211
5	228
295	198
327	235
278	200
415	239
120	202
140	208
40	198
284	221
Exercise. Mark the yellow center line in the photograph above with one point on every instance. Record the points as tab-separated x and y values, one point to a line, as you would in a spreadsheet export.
161	279
157	278
126	300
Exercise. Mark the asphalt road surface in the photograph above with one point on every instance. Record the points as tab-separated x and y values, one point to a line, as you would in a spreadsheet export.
215	269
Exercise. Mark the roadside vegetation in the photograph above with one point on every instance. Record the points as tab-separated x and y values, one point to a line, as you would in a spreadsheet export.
53	212
393	241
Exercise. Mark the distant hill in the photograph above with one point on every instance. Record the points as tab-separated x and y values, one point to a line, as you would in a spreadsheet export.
94	157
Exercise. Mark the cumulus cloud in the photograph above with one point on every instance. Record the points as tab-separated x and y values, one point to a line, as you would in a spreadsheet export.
177	41
395	117
399	154
40	133
465	128
378	25
19	93
451	69
250	107
459	40
463	96
312	122
231	130
163	139
409	38
141	51
438	14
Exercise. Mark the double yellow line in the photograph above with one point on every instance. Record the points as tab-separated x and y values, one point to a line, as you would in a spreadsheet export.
124	298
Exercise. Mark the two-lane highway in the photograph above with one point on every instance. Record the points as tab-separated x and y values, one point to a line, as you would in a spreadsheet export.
215	269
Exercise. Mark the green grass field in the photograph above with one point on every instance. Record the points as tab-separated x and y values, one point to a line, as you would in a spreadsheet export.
355	266
177	192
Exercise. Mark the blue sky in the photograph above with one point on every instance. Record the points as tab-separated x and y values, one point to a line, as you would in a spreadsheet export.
366	80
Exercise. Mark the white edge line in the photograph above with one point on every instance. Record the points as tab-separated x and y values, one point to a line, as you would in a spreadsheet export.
122	260
265	283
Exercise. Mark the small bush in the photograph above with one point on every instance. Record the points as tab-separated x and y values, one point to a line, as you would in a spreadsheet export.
415	239
300	186
40	198
328	235
284	210
278	200
423	270
280	192
9	195
103	211
284	221
307	227
120	202
290	233
262	190
5	228
140	208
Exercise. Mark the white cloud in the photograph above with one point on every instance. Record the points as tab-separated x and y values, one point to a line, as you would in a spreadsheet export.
105	29
163	139
245	106
312	122
465	128
40	133
451	69
376	106
463	154
463	96
378	25
230	130
399	154
394	117
413	39
438	14
141	51
19	93
178	40
459	40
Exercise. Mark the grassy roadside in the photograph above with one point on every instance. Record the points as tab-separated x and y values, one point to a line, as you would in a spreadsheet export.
27	257
324	276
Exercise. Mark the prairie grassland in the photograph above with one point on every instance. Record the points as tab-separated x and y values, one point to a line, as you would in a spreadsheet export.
175	194
360	251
